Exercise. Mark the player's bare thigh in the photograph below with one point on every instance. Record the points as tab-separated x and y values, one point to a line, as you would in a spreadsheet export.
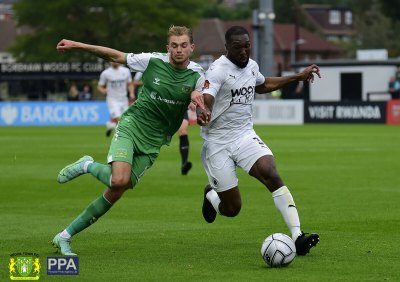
264	170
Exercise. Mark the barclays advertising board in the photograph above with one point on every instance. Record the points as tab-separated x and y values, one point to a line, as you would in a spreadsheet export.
53	113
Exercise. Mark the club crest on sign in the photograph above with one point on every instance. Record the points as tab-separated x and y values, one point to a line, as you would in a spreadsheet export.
24	266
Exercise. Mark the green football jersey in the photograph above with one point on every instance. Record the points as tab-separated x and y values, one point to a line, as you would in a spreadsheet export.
165	95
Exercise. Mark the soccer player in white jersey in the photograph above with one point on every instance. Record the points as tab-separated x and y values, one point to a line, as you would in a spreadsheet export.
115	82
230	140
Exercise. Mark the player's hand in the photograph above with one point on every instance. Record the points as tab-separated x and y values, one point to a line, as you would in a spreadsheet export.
308	73
192	107
197	99
203	116
65	45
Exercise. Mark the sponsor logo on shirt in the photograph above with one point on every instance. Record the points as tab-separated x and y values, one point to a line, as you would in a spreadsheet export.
156	81
206	84
243	95
186	89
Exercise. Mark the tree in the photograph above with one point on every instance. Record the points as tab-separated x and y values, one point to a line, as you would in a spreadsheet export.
127	25
391	8
216	9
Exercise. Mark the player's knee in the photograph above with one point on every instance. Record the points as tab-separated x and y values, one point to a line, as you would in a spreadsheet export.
120	183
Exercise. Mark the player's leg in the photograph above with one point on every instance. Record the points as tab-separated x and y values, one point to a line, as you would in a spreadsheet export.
118	177
120	181
184	145
264	169
118	152
227	203
110	125
222	194
114	108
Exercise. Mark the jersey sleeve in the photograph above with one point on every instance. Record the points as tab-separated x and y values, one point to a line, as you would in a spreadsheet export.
260	78
138	76
138	62
200	83
214	78
103	79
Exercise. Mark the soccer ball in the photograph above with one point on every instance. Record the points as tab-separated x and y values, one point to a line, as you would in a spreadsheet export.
278	250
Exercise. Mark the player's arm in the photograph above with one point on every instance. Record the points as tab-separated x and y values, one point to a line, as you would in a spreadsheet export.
274	83
102	89
105	53
204	115
136	83
131	91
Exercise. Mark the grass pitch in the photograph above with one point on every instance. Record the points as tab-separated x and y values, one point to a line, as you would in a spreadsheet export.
344	179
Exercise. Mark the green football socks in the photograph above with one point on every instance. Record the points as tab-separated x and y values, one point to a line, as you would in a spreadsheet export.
101	171
89	216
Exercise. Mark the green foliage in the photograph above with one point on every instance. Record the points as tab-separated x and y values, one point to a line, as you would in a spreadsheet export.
374	30
241	11
126	25
140	26
391	8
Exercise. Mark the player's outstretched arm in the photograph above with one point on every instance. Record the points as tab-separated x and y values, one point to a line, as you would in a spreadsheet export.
274	83
105	53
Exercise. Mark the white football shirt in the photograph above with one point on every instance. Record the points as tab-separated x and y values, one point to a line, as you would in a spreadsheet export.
233	89
116	81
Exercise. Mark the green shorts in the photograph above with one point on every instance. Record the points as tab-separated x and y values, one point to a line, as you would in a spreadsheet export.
123	149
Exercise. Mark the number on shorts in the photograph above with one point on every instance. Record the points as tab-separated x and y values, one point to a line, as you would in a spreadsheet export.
260	142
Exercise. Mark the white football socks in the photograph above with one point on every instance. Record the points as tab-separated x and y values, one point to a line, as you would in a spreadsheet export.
284	203
86	165
64	234
212	196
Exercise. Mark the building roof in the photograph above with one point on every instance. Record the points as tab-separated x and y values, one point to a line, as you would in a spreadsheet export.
285	36
319	16
8	33
209	37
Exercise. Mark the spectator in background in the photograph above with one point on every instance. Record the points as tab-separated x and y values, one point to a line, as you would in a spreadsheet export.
73	93
86	93
394	88
115	82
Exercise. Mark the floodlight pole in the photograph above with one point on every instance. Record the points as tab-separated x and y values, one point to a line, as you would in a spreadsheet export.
265	48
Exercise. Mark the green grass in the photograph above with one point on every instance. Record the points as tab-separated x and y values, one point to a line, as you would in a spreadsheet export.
344	178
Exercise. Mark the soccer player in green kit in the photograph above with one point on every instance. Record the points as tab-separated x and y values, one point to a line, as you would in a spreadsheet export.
170	83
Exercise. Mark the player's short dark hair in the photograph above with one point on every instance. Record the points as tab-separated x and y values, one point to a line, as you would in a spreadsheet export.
235	30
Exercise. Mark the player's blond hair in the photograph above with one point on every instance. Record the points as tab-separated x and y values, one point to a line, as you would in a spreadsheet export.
179	31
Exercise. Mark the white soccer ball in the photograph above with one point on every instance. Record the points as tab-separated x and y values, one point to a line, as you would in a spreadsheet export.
278	250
